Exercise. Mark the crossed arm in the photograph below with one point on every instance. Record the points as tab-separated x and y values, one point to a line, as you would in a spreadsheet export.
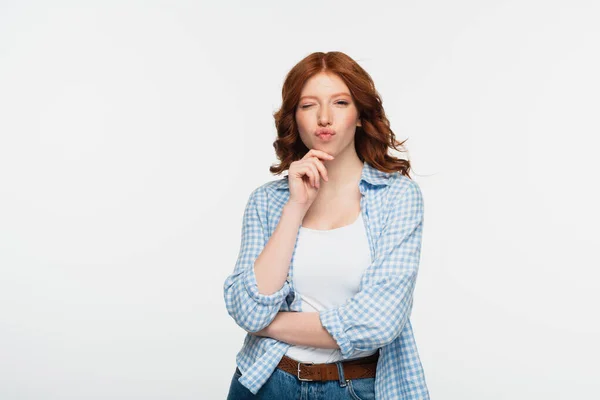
371	319
300	329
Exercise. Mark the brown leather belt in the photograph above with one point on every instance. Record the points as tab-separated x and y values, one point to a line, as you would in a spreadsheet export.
353	369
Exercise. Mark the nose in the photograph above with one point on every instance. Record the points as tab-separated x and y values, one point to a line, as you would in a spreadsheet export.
324	117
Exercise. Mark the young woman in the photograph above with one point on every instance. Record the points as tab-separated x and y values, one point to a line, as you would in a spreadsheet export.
329	255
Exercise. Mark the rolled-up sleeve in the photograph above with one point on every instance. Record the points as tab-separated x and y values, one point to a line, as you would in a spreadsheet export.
251	309
377	314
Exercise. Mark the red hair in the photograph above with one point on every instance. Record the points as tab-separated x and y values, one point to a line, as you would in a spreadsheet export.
372	139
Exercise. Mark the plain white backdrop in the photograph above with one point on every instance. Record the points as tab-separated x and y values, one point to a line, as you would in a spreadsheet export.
132	133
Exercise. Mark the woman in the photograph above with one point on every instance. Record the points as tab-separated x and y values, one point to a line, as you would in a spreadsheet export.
329	255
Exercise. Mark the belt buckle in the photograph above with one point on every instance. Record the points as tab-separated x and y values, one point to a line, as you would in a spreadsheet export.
307	363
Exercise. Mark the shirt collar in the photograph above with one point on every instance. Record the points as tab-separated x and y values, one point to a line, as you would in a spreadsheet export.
369	174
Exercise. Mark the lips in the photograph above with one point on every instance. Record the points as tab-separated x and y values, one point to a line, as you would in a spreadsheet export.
325	137
324	132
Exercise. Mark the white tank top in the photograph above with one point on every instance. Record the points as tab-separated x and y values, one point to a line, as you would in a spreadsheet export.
328	267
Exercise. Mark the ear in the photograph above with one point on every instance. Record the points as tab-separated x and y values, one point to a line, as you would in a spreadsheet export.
359	123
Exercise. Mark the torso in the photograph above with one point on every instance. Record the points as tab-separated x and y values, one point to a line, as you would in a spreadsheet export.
332	212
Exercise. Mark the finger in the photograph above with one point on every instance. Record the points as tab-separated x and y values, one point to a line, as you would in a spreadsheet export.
315	174
321	167
318	153
307	171
313	164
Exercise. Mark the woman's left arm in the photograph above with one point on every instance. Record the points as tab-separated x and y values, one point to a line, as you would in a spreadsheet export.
300	329
377	314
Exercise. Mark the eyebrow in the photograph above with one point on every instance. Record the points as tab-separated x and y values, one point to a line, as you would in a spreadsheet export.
333	95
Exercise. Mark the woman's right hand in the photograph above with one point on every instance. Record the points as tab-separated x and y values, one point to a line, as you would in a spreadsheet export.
304	178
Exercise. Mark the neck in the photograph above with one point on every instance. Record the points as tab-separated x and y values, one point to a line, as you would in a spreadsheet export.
344	173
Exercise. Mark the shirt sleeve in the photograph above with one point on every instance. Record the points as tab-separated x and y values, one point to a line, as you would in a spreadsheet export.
377	314
251	309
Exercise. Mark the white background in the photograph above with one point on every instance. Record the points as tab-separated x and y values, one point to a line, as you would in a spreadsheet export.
132	133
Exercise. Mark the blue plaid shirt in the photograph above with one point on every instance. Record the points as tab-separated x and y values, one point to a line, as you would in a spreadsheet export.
377	317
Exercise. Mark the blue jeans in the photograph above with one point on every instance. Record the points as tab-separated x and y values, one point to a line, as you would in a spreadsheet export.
282	385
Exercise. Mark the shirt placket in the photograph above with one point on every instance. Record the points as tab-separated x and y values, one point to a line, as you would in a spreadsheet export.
364	207
295	305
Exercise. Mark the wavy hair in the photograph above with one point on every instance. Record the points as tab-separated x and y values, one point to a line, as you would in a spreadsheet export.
372	140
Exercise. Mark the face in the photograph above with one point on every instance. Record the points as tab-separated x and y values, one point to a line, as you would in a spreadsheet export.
325	102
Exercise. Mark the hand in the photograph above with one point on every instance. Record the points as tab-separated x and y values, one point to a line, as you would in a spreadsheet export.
304	177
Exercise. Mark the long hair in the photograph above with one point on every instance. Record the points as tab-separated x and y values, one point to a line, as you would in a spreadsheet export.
372	139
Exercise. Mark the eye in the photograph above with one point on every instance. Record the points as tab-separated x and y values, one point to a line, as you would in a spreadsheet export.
343	102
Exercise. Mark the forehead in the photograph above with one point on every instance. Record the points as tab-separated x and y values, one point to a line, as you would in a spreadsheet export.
324	83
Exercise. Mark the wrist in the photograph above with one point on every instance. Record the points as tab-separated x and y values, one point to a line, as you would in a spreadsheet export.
295	210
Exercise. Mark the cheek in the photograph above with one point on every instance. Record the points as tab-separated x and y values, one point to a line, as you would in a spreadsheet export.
304	127
301	122
350	120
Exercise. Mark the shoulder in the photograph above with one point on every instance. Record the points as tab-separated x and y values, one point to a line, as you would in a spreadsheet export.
403	187
268	190
280	183
273	186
